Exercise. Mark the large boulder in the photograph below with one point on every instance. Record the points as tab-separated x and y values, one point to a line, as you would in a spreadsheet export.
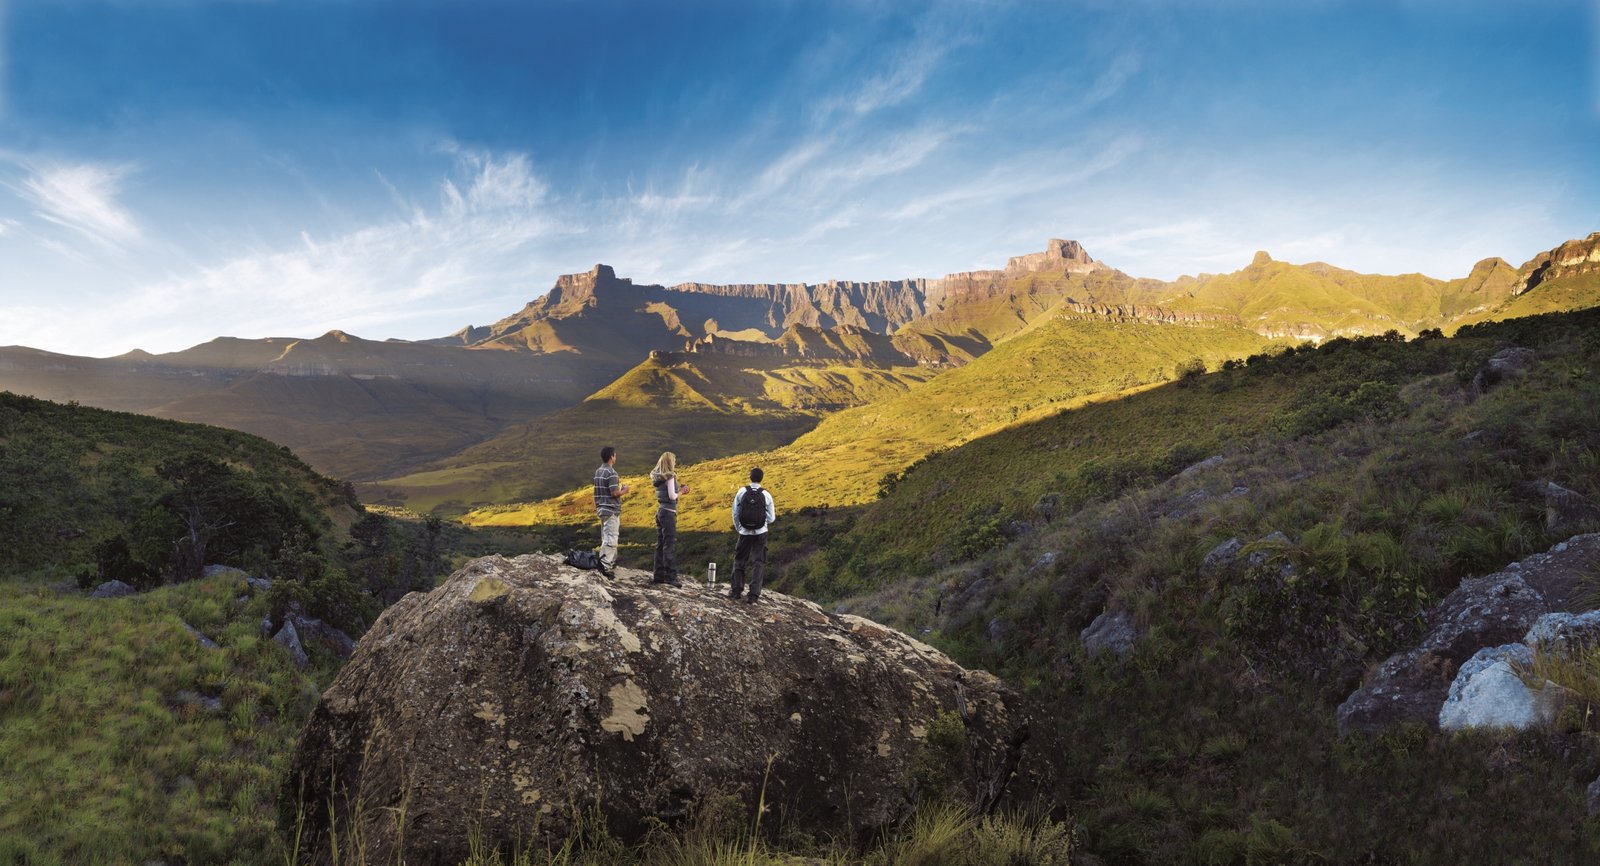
523	690
1489	611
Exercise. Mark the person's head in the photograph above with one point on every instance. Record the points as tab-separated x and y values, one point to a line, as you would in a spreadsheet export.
666	467
608	454
756	475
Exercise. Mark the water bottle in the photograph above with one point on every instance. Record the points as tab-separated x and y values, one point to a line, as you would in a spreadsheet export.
711	575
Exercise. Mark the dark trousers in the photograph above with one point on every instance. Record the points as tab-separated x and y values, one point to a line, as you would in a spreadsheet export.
752	551
666	544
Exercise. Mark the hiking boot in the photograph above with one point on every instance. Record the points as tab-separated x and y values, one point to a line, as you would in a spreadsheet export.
734	596
751	599
668	582
607	573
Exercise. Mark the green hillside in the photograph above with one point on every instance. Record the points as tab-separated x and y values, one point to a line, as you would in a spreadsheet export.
1064	360
112	754
126	738
700	406
1318	299
1215	740
74	480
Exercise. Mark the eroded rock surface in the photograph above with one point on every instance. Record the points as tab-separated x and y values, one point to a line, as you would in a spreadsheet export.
522	687
1488	611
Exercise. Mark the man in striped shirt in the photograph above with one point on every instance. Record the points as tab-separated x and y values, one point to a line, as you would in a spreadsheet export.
608	493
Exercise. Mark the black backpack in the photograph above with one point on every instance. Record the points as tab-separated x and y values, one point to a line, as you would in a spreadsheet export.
752	509
587	560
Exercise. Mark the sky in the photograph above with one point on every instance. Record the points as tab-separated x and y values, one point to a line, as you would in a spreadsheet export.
175	171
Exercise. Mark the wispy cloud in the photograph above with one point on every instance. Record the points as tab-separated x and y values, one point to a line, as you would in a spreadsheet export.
449	261
901	81
82	197
1022	176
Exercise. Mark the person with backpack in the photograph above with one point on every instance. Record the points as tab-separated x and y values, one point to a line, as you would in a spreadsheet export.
608	493
752	514
665	479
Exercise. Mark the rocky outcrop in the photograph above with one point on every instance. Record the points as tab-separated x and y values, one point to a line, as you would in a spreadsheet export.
521	689
1489	611
1565	510
1504	364
1573	258
1144	313
113	589
1112	631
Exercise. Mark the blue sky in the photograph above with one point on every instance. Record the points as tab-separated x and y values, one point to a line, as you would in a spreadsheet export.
170	172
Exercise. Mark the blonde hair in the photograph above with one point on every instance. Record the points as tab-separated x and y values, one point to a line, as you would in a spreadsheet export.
666	467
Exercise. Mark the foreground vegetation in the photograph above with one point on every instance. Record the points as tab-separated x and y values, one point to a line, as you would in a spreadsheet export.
126	739
1389	480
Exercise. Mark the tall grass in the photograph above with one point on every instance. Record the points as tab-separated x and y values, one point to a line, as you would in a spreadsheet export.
110	756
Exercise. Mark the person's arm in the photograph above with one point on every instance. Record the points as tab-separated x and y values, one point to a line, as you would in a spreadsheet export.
672	489
617	487
772	513
736	497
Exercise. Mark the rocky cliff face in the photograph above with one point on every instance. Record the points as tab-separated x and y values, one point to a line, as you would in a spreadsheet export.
522	689
1573	258
1145	313
1059	255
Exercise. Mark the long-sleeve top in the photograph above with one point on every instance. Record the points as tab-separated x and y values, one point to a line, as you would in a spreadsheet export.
667	494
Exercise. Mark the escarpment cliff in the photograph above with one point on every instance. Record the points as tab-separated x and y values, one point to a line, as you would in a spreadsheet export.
522	690
1571	259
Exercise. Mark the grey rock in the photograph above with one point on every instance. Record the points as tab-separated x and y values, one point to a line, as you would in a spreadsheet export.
1187	501
521	688
1484	611
1490	611
997	631
309	629
1208	463
1236	492
206	642
1045	560
1488	693
1564	509
221	570
1593	793
1505	364
258	584
1221	556
1265	546
266	626
1565	632
1112	631
289	639
113	589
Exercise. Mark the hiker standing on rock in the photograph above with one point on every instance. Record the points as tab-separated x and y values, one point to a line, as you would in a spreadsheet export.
608	493
665	479
752	514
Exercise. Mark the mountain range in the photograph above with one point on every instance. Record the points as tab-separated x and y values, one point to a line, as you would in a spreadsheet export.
445	420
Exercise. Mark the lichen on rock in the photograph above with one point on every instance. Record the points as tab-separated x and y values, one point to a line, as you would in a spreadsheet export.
521	690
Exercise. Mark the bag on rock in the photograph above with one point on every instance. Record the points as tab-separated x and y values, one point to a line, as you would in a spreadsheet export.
587	560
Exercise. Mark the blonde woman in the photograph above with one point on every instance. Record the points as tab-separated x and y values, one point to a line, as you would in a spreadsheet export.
665	479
